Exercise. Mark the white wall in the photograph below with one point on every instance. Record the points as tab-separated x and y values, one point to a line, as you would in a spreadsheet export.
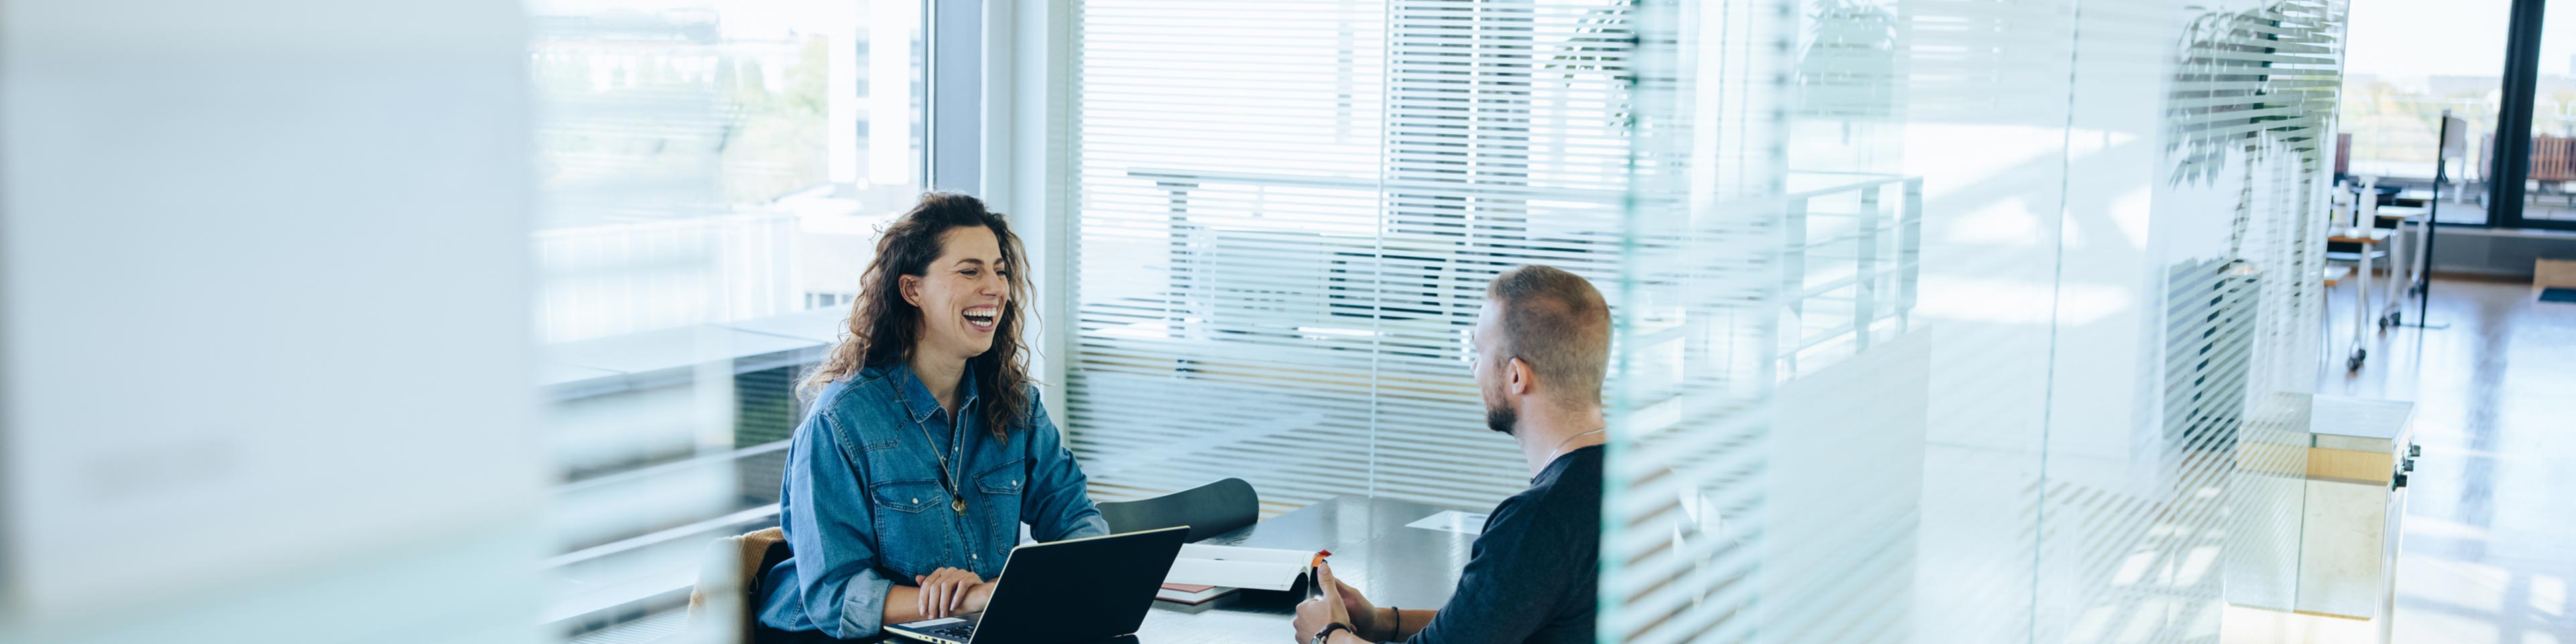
263	322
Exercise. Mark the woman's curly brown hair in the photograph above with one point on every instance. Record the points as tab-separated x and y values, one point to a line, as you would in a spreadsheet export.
883	327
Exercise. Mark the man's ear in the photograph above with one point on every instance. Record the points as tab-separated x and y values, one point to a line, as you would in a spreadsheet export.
911	289
1518	378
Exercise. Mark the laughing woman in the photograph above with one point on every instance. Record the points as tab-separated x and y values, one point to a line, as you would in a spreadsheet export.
926	447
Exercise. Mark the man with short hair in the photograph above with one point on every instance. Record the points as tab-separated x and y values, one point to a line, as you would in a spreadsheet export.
1542	348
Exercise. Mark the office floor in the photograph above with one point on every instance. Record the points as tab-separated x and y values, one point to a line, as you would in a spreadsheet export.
2489	550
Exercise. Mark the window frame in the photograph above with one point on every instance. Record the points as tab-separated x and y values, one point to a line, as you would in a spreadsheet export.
2520	87
1021	148
953	104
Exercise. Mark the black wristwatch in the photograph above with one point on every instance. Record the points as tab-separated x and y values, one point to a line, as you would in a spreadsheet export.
1326	635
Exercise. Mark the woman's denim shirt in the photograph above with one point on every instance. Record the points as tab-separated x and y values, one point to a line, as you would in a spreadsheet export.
864	510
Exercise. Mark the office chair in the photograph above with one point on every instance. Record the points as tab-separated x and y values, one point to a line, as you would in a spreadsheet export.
721	605
1209	510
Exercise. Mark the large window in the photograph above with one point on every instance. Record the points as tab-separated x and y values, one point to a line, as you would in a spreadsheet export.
2552	187
2408	64
710	176
1287	215
2406	68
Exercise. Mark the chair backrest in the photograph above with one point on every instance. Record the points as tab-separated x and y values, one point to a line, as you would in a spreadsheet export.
1209	510
2343	154
2486	155
2553	158
720	606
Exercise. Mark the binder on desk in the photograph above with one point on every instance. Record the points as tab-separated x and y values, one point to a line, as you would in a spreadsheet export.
1239	567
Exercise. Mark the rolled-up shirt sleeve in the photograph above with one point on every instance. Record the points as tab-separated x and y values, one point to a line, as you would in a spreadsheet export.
828	525
1058	504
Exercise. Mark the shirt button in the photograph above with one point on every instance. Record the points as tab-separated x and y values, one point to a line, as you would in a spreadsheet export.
916	499
974	556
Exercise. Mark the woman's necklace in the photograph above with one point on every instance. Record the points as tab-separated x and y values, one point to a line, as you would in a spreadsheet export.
947	479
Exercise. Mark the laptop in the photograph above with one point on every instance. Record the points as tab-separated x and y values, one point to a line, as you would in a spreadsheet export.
1065	591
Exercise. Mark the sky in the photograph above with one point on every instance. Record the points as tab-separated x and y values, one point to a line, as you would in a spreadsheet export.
2448	37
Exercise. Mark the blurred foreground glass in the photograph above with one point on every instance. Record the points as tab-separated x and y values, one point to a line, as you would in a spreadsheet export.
263	323
710	178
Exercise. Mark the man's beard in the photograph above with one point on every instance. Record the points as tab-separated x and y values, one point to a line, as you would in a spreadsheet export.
1502	418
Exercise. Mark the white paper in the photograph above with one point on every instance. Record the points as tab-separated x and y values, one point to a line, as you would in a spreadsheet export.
1452	521
1239	567
1298	558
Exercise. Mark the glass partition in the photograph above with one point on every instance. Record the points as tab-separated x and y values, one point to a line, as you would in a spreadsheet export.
1936	321
1939	321
709	181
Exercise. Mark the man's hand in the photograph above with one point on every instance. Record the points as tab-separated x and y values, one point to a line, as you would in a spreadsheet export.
1361	615
946	591
1340	604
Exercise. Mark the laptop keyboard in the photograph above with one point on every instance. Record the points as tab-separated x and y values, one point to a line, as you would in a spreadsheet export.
959	632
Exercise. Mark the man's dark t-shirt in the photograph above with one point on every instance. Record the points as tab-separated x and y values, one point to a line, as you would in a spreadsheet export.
1533	574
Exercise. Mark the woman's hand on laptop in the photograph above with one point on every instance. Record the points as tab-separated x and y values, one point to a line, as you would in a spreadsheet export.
951	591
978	596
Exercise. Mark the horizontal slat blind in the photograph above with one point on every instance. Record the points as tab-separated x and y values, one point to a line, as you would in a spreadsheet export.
1228	158
1287	216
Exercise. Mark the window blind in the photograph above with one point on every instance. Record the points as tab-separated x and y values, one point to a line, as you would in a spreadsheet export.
1287	216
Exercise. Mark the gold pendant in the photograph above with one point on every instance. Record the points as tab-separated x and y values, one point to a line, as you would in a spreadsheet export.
959	504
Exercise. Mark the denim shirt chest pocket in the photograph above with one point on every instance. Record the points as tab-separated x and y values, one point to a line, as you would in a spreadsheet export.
999	488
914	525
